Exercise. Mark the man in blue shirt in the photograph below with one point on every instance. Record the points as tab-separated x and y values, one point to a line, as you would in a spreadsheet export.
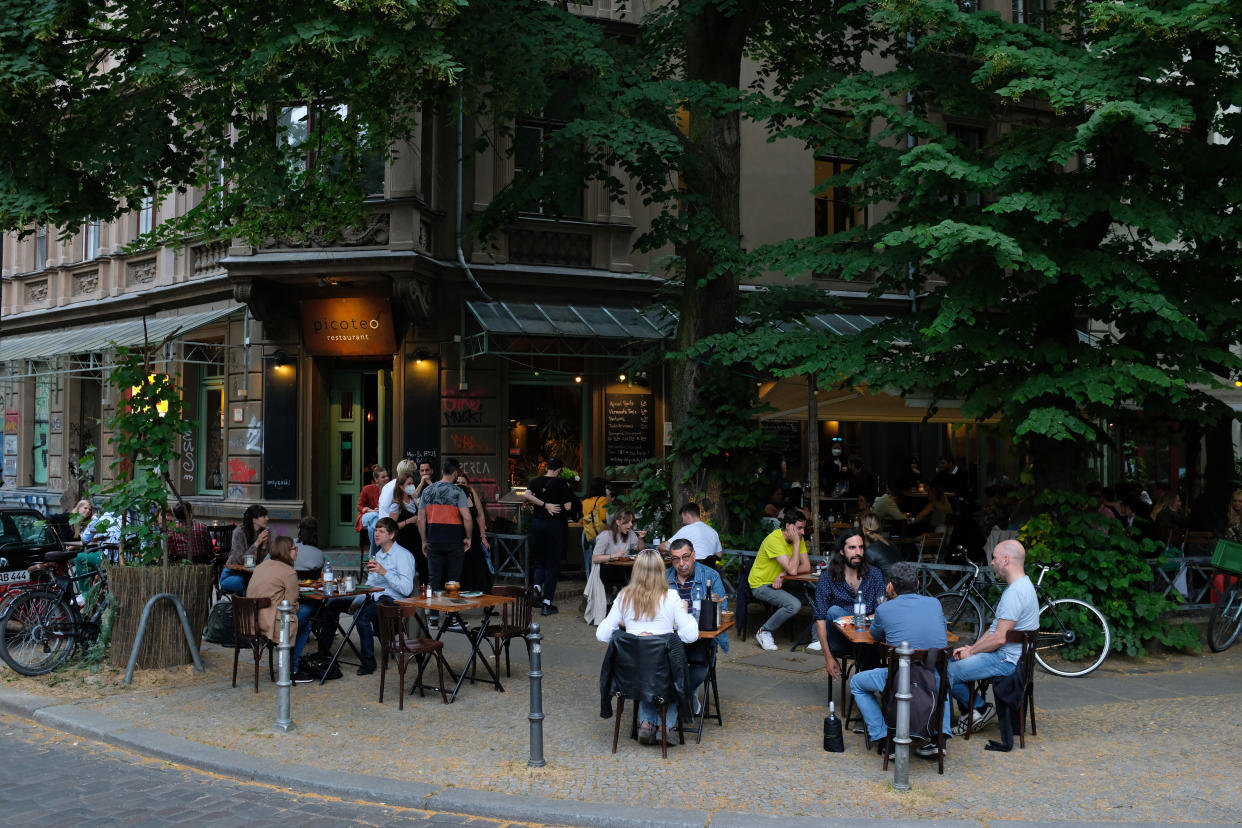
692	579
905	616
392	569
991	656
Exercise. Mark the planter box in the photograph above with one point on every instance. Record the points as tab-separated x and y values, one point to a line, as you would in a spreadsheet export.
164	642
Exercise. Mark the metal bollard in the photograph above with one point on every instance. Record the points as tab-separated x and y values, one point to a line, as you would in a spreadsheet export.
284	722
901	741
534	650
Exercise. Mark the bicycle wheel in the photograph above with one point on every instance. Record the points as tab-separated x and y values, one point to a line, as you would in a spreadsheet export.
40	630
1226	620
1074	638
963	615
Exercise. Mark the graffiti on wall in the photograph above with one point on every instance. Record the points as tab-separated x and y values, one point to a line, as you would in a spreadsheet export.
241	472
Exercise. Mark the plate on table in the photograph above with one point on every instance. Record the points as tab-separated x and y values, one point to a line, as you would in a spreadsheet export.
471	594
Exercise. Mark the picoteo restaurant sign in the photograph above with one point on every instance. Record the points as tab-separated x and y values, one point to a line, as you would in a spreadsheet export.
351	326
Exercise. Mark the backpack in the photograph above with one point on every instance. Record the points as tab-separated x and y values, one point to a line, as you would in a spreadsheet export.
219	629
923	721
594	518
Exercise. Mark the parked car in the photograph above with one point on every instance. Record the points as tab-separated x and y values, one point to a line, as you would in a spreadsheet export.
25	536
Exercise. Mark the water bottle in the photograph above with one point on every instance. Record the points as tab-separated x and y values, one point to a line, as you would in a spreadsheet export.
834	741
860	611
329	579
696	600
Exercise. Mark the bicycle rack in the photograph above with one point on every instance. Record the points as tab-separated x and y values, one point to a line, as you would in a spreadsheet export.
142	630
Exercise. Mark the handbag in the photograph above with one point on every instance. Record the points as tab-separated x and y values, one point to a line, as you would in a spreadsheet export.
315	666
219	629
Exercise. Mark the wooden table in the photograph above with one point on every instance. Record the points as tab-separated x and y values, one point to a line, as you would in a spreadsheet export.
628	562
317	595
858	636
451	607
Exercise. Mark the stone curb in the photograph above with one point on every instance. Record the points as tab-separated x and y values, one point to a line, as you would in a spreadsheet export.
69	718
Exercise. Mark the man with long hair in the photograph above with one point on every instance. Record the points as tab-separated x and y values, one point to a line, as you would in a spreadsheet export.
848	575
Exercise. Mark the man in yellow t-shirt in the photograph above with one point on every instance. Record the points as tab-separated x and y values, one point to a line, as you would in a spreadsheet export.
782	553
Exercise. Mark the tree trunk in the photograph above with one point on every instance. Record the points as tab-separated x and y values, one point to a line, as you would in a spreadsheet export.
714	46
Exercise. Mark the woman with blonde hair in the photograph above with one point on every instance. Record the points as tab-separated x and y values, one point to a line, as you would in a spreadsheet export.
880	552
648	606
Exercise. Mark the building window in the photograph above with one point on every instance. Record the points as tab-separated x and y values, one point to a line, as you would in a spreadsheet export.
834	212
42	416
40	260
146	215
203	450
971	139
1031	12
297	124
90	241
530	135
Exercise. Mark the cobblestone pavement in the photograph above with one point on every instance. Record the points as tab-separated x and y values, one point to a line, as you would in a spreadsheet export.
1150	741
62	779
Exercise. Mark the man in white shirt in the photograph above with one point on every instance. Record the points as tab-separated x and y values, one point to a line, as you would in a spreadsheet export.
991	656
702	537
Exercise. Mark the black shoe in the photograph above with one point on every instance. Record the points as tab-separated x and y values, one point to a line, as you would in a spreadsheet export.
550	609
367	668
303	677
928	750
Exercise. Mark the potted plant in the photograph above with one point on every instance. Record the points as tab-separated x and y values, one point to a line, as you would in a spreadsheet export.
144	431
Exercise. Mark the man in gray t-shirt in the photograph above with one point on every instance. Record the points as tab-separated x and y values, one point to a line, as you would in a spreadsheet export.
991	656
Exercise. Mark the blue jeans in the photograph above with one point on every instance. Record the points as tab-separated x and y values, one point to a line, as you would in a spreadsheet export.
978	666
299	641
651	713
866	686
368	525
786	605
232	582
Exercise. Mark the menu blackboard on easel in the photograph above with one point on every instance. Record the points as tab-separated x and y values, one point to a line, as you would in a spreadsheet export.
629	428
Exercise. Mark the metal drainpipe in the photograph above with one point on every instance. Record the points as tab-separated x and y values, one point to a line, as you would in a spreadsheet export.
458	215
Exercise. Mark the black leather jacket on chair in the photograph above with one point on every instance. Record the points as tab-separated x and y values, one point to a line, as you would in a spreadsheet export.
645	668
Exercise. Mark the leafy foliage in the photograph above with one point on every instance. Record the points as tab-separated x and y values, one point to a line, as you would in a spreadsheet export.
1100	561
146	429
108	103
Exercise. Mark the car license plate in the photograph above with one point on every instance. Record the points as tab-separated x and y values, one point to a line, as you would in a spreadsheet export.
14	576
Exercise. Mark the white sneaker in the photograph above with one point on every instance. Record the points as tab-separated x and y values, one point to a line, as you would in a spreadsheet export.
764	639
814	646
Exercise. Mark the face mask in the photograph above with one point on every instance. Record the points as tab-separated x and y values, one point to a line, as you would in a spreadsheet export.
410	489
836	452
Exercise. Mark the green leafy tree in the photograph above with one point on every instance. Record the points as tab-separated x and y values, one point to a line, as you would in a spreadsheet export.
1103	198
146	430
107	103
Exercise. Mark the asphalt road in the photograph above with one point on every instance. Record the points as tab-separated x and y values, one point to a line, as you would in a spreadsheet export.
60	779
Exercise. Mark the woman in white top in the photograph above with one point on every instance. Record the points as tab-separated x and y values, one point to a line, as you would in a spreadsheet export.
649	607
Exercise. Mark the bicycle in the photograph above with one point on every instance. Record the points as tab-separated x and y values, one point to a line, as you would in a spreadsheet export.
1073	639
43	626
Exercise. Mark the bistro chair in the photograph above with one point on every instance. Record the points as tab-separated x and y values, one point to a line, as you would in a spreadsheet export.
929	547
393	641
513	621
1026	667
248	634
938	660
744	597
639	662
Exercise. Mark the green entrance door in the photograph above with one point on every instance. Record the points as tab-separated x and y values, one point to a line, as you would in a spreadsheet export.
346	418
356	422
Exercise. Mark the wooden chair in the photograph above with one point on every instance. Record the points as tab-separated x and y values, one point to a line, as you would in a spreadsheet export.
1026	664
744	598
514	619
649	662
246	633
940	663
929	547
393	641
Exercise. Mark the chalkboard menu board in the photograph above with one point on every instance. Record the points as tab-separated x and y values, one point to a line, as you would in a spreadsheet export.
785	437
629	428
280	431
